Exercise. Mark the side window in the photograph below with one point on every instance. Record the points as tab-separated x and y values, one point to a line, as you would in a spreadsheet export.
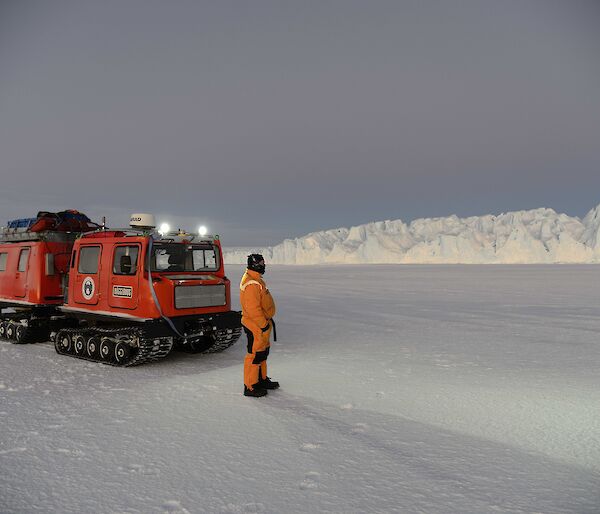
3	258
125	260
73	255
88	259
23	258
162	259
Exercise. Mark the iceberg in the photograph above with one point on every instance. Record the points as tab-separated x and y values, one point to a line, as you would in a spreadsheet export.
538	236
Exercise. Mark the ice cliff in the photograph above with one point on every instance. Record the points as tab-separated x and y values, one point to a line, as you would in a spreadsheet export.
528	237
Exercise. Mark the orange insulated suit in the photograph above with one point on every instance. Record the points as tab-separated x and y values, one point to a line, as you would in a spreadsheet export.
258	308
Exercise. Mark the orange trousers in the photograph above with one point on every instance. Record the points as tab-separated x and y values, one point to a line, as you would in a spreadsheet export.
255	363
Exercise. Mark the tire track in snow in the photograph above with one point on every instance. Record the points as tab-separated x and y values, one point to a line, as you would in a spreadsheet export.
405	456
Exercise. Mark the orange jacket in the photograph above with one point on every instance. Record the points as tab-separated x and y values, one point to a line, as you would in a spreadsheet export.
258	306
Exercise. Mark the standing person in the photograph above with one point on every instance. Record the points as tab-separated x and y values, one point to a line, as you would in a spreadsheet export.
258	309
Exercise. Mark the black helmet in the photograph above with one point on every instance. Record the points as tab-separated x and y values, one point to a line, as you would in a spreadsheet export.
256	262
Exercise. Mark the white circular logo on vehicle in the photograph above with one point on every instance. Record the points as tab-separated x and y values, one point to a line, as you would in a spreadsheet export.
88	287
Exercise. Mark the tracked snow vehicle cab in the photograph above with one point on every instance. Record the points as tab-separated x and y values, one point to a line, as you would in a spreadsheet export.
131	295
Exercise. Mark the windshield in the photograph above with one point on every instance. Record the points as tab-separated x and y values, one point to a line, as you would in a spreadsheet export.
183	257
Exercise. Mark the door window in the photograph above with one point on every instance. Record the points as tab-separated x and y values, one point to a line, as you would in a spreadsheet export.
88	259
125	260
23	258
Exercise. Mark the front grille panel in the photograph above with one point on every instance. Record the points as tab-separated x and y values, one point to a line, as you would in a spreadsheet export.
188	297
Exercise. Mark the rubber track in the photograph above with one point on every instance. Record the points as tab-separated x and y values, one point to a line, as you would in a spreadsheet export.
30	334
224	340
150	349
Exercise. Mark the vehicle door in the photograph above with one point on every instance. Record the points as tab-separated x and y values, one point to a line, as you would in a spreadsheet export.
21	273
87	275
124	278
5	278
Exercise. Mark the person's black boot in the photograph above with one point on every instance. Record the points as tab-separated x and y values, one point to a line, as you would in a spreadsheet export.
267	383
257	392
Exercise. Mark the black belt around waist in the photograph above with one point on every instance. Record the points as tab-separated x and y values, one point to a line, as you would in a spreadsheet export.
274	329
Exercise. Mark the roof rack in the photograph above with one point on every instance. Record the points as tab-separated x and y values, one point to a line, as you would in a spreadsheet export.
166	238
133	231
22	234
15	235
47	226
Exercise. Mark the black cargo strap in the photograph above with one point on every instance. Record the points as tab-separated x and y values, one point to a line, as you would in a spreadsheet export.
274	330
154	297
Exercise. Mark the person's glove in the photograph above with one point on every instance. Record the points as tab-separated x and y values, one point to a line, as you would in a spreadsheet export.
264	329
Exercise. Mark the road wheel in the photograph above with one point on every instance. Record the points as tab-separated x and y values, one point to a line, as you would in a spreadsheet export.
79	344
10	331
122	352
92	347
106	349
20	332
63	343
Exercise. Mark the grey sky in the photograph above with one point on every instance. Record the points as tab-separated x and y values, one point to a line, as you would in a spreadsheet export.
272	119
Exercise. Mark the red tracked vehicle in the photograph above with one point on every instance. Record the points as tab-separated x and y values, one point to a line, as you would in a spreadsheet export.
121	297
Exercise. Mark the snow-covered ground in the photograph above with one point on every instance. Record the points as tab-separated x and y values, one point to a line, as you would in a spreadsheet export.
538	236
436	389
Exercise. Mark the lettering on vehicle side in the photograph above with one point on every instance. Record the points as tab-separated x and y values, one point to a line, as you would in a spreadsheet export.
122	291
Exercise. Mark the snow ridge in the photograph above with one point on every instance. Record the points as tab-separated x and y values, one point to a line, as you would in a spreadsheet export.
539	236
